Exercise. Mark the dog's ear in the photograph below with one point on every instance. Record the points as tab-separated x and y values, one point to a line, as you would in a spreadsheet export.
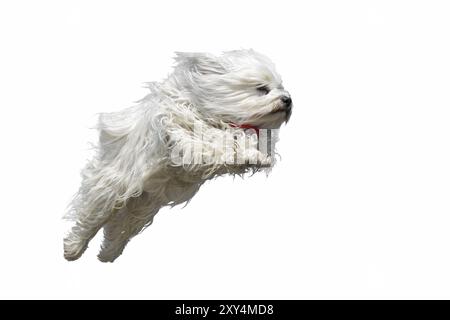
203	63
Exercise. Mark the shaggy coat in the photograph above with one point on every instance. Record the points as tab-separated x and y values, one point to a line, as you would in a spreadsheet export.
160	151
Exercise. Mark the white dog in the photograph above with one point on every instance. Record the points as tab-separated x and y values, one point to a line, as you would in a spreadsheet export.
188	129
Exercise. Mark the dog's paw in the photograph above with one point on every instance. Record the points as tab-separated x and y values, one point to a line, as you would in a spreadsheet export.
260	160
111	252
107	257
266	161
74	248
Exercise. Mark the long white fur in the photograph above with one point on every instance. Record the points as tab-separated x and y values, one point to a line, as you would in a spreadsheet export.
132	175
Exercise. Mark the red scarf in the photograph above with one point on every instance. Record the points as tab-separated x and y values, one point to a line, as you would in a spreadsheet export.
246	126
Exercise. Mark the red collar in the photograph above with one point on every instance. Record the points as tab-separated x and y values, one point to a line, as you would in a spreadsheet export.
245	126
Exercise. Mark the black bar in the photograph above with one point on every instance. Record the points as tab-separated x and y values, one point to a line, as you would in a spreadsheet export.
228	309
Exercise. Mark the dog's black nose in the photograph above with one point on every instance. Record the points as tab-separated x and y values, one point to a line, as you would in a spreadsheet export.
286	100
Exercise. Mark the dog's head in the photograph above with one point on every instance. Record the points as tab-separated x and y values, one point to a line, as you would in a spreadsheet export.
239	87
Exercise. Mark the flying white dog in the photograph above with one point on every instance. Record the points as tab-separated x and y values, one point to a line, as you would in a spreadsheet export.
206	119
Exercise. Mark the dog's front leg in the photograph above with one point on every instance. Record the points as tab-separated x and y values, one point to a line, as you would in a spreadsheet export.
245	151
217	151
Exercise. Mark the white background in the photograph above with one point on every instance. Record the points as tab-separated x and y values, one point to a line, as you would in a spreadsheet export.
357	208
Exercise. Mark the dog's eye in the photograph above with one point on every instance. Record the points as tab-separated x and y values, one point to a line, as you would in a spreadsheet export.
263	89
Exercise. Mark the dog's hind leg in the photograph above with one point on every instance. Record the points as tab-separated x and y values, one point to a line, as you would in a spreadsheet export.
90	211
76	242
124	225
118	232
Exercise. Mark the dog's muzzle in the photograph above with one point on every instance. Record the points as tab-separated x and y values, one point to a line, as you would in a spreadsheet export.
285	106
287	102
